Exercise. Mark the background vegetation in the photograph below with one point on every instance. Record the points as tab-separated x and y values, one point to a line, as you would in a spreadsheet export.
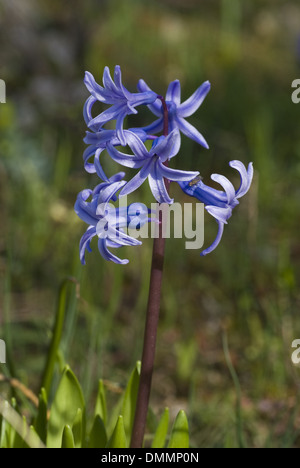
243	300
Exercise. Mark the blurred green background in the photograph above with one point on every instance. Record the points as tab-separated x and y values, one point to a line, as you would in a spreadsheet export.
246	292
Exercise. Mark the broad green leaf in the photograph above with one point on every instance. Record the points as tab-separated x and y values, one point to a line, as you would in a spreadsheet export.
101	408
68	399
118	438
77	429
67	438
127	403
130	399
161	431
40	423
98	436
180	432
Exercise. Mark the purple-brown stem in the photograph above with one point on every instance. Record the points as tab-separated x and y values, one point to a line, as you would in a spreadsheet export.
151	325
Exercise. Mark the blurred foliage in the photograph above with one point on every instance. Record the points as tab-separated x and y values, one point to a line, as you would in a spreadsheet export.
64	425
246	290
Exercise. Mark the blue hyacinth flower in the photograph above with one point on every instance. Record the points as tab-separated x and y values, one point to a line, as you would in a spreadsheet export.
178	111
152	164
113	93
219	203
105	221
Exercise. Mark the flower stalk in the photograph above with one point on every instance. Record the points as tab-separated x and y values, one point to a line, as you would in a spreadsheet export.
151	325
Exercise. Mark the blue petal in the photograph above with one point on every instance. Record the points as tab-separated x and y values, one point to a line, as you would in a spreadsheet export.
216	241
119	237
108	82
119	126
204	193
119	84
87	111
174	92
107	255
98	167
166	146
172	123
115	178
246	176
190	106
139	132
88	153
85	210
158	187
118	77
147	98
220	214
136	145
98	190
108	192
94	88
191	132
124	159
138	179
227	185
99	138
156	127
109	114
156	106
176	174
85	243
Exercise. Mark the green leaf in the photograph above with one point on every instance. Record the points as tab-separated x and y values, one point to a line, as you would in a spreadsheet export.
101	408
118	438
6	429
161	431
2	432
180	432
40	423
67	401
77	429
130	399
98	436
67	438
56	336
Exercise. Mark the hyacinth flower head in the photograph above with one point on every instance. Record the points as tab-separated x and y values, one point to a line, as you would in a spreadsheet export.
177	111
150	164
220	204
105	221
122	102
